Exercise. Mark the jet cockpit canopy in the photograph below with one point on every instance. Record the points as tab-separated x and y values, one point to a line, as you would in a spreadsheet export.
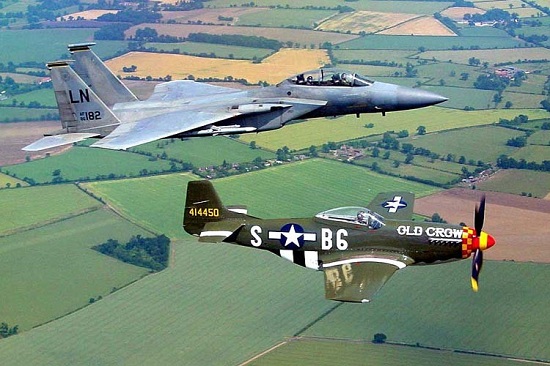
330	77
356	215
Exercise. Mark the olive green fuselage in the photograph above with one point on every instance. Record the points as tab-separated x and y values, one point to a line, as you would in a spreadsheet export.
421	242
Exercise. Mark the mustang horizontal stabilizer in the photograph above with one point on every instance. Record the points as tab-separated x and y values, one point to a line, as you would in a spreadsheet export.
394	205
215	232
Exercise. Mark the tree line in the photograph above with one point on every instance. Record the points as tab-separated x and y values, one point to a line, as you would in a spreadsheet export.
7	331
152	253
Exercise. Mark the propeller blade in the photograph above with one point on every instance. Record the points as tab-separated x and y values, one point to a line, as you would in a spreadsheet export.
477	263
480	216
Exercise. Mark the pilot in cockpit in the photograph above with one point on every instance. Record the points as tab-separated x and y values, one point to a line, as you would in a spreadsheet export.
365	218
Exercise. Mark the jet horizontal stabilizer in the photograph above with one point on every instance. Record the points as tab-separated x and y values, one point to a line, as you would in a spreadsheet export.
80	46
49	142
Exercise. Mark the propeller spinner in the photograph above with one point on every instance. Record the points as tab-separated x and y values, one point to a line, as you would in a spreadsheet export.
481	241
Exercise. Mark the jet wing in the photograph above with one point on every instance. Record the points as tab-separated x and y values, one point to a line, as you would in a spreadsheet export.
357	279
129	134
393	205
181	89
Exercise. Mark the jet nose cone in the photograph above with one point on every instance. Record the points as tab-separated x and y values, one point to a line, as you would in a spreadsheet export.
409	98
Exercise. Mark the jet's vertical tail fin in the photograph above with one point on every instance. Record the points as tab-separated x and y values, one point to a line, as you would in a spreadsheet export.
83	114
207	217
98	76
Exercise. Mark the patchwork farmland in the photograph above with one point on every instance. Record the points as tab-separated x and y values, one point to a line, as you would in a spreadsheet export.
219	304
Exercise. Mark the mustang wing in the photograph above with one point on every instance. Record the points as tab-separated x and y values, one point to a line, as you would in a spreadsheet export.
357	279
149	129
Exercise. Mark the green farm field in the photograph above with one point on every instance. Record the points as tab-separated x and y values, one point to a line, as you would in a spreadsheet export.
522	100
43	96
377	72
534	153
380	55
83	163
423	171
485	143
519	181
253	297
19	6
440	165
301	36
202	152
51	271
320	352
268	3
282	18
320	131
375	42
489	55
440	314
19	42
415	7
9	114
155	203
160	208
35	206
460	97
540	138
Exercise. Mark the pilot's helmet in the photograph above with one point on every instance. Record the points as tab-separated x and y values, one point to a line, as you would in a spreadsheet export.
362	216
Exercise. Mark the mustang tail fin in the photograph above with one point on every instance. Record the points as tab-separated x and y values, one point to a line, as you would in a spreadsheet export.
207	217
83	114
98	76
394	205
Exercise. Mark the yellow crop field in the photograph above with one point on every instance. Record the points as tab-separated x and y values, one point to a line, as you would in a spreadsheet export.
366	21
88	14
7	181
273	69
423	26
457	13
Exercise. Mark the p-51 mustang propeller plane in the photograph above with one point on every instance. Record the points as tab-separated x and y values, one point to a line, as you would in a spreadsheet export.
94	103
357	248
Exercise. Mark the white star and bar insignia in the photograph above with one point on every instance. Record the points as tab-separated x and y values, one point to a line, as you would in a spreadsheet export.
292	236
